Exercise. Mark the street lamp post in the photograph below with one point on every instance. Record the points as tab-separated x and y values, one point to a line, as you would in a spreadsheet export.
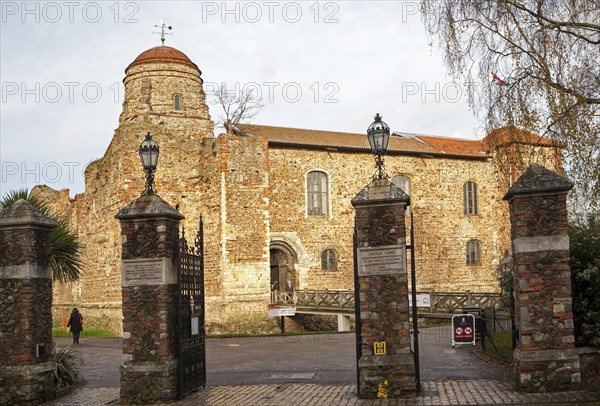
149	156
379	137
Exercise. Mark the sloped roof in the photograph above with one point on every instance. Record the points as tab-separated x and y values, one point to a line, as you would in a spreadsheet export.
454	146
405	143
507	135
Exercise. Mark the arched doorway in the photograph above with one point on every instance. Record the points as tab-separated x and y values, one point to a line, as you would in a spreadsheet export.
282	260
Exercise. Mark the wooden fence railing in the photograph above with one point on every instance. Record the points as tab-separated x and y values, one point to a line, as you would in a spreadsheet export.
342	301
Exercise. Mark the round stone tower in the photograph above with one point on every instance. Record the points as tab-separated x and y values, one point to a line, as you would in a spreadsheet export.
164	86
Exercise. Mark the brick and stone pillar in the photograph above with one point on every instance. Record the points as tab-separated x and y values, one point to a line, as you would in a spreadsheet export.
149	233
386	367
545	359
26	373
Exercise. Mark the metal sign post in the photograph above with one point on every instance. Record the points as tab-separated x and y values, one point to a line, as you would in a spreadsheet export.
463	329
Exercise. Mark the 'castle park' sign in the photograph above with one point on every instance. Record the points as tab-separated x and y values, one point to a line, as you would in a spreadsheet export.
385	260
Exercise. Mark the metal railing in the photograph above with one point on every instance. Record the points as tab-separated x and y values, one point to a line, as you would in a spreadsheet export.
342	301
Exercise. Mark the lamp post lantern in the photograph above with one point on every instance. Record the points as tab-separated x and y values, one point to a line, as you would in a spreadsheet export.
379	137
149	156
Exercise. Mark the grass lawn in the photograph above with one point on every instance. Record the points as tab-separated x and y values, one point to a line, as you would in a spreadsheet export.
503	343
87	332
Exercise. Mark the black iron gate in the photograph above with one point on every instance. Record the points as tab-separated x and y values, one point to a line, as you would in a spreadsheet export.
413	286
192	334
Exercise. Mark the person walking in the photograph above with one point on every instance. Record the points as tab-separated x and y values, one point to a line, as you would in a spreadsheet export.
76	324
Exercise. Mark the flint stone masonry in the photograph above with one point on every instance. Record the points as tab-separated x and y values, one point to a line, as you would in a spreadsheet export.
150	235
383	297
545	356
251	191
25	305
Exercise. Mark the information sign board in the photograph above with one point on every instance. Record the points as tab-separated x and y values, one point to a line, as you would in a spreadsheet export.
384	260
463	329
282	311
423	300
147	271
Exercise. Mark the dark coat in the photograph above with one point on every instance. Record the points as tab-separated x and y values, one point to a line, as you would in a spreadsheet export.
76	322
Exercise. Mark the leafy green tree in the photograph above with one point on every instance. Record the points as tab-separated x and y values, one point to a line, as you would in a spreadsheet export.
585	275
530	64
66	252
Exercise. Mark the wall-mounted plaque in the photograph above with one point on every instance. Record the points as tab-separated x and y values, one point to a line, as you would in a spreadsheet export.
385	260
143	271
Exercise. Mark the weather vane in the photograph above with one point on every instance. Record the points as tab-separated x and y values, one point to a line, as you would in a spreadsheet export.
162	32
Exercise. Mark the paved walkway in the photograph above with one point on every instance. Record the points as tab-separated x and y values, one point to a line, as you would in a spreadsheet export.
432	393
450	376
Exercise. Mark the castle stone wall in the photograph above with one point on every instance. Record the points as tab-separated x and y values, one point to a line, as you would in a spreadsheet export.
252	198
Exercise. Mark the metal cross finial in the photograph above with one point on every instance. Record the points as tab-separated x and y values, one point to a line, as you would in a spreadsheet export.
162	32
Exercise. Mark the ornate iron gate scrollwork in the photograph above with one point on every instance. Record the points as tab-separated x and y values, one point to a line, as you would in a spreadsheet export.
191	328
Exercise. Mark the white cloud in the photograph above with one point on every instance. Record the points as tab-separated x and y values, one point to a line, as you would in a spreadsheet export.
374	59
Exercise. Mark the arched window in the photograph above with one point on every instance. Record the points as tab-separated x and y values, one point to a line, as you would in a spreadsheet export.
470	198
473	252
177	103
317	191
329	260
403	182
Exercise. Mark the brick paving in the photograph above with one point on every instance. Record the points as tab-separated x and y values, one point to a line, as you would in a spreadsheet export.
432	393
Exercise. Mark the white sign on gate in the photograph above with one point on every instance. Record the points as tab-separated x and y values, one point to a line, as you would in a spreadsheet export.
423	300
282	311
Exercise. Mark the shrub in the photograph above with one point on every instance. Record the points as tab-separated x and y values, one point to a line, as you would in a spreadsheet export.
585	276
68	365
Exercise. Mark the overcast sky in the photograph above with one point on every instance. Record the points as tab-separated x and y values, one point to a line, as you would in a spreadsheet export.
318	65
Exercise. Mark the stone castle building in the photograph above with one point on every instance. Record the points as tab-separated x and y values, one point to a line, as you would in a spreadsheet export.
276	201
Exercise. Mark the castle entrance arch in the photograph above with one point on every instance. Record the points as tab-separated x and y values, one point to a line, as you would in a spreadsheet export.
282	260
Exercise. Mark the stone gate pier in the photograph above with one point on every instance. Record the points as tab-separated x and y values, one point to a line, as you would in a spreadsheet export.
150	234
26	372
545	356
386	365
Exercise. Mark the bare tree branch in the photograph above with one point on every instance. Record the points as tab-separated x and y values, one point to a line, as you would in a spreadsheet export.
238	107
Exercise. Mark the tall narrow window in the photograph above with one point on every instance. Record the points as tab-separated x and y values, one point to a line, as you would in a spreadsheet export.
317	193
473	252
470	197
177	103
403	182
329	260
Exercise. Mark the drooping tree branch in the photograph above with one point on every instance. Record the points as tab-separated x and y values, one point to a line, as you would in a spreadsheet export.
548	51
